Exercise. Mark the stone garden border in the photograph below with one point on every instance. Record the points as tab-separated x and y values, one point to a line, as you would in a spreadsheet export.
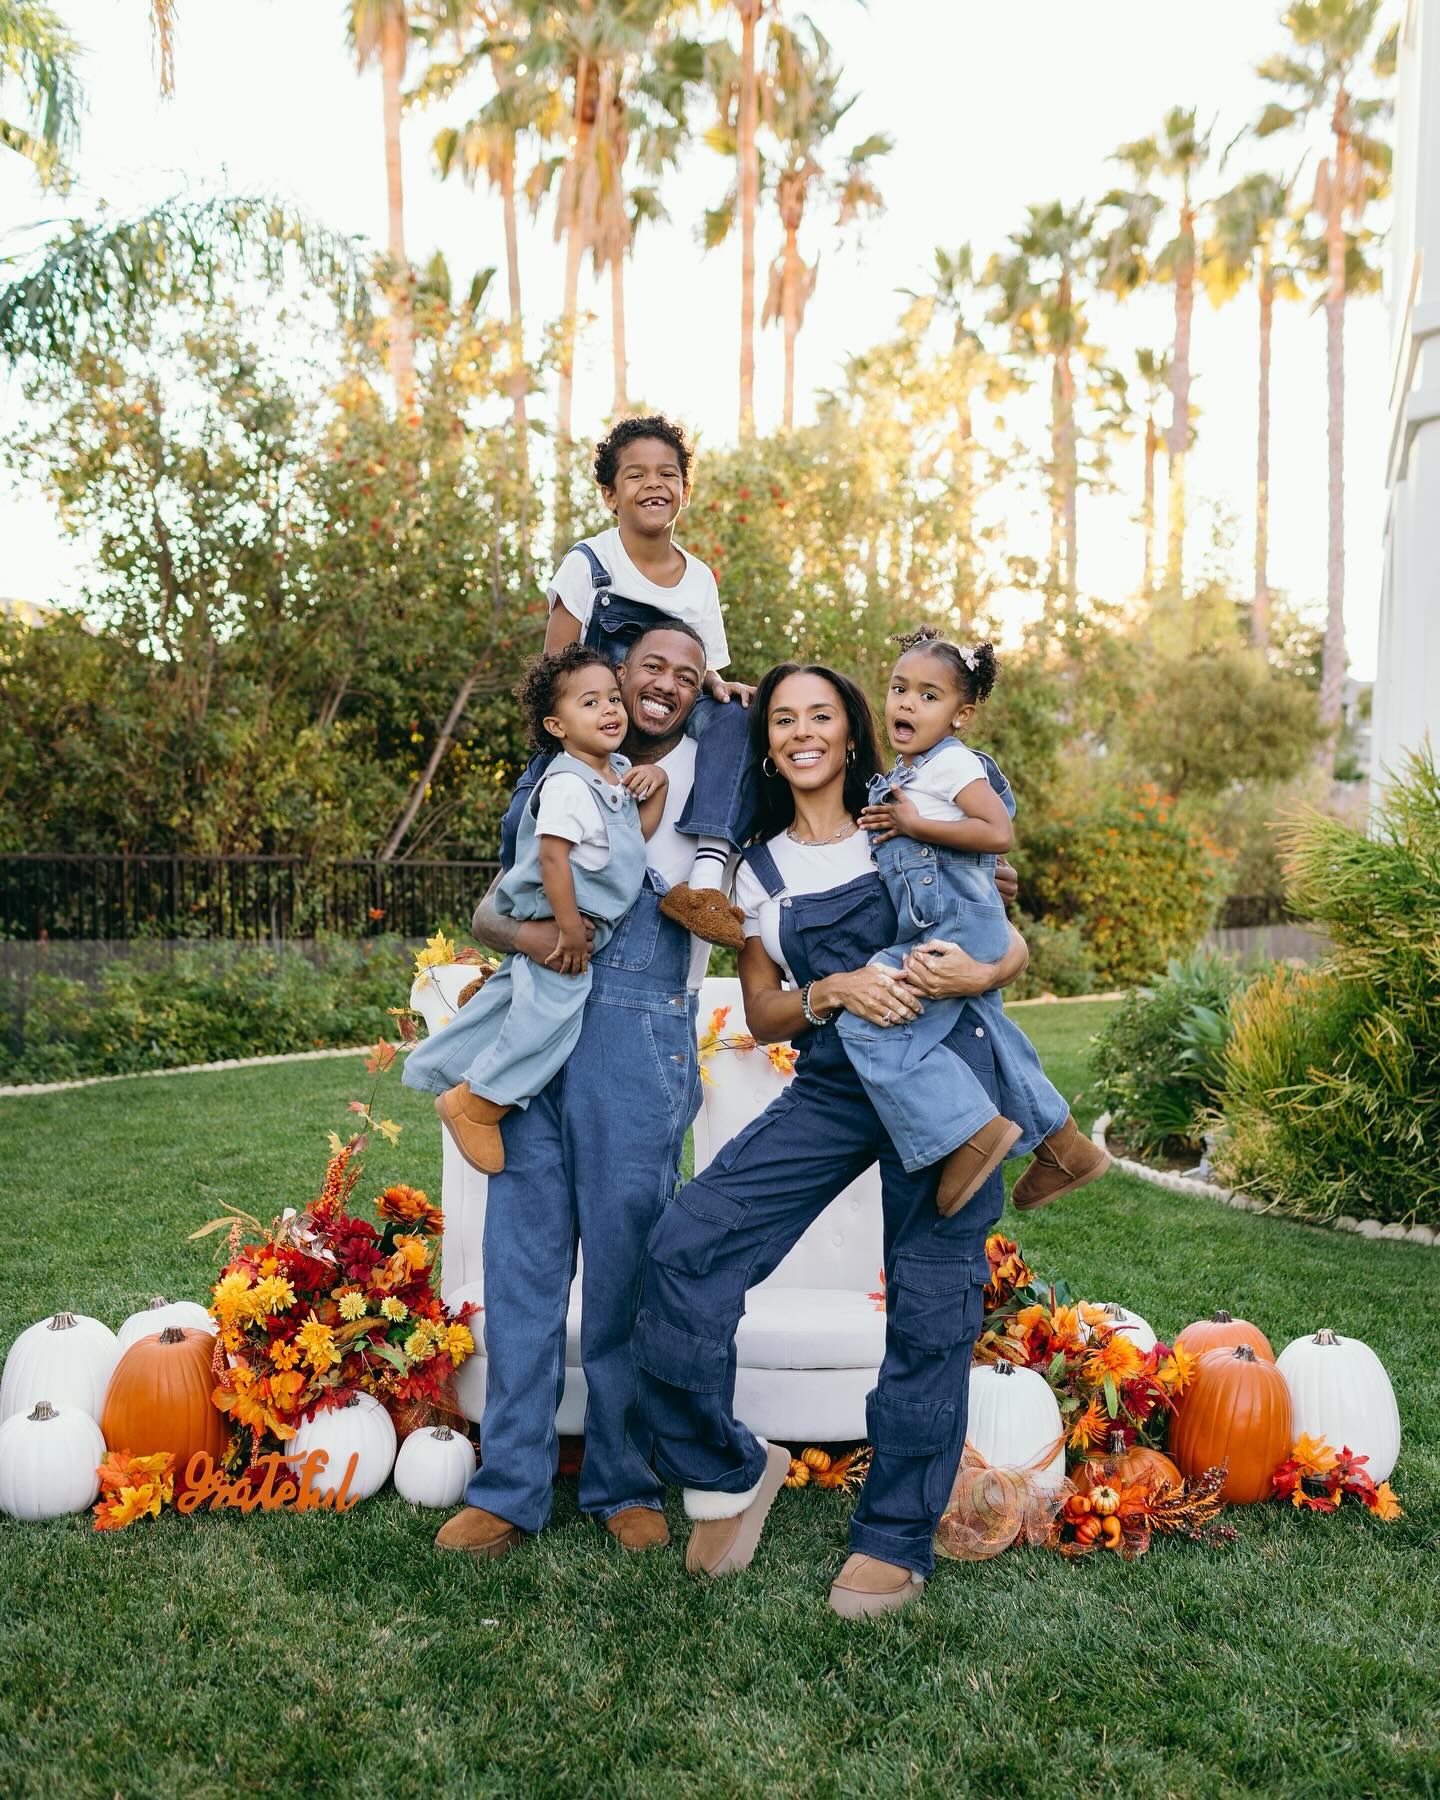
1186	1184
210	1068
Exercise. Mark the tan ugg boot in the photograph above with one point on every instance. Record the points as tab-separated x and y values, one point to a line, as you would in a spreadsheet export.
1064	1161
971	1164
707	913
639	1528
719	1546
484	1535
474	1124
867	1587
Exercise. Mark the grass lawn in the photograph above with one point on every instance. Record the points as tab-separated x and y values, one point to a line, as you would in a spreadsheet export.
319	1655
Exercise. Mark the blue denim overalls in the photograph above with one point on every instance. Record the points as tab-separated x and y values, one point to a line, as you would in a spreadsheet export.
511	1037
730	1227
929	1106
722	801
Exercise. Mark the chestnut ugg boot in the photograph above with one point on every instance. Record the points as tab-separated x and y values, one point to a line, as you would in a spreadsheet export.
1064	1161
706	912
971	1164
474	1124
867	1587
639	1528
483	1534
723	1539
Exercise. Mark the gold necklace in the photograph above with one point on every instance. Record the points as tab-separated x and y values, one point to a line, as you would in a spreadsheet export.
819	843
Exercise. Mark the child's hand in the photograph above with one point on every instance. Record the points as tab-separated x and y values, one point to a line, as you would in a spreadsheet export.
645	780
571	955
724	691
896	817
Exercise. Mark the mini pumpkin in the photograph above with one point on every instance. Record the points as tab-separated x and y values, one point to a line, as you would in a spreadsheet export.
1340	1392
48	1462
159	1399
153	1317
1222	1330
1122	1466
434	1466
1234	1415
67	1359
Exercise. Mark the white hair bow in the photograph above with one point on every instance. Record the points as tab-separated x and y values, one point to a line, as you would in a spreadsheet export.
967	656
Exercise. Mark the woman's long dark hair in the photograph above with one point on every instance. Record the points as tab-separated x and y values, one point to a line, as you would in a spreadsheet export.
777	801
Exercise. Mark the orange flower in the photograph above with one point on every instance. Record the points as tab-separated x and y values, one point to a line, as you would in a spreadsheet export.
1112	1356
409	1206
1065	1328
258	1403
413	1250
1089	1428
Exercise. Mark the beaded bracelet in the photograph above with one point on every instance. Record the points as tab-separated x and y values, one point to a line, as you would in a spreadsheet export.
811	1016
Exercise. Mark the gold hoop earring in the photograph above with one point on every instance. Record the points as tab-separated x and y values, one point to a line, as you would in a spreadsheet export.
768	767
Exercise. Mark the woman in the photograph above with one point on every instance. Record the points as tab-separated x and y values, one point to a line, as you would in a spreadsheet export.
815	911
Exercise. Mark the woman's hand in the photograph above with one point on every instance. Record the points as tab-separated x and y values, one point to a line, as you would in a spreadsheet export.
725	691
1007	882
943	971
871	993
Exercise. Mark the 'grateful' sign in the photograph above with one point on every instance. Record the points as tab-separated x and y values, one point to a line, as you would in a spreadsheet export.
204	1483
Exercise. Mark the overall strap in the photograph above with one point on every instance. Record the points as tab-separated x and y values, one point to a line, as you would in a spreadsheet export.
997	780
600	576
763	867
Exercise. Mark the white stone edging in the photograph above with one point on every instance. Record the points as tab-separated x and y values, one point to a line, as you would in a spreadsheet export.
1065	999
1187	1184
232	1062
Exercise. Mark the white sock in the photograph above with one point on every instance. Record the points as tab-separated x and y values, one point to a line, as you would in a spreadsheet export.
701	1503
708	869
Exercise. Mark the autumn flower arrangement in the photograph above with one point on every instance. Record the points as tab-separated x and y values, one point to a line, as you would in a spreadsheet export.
714	1039
1315	1478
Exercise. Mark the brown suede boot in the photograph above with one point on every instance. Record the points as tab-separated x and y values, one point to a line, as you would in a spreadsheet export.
721	1546
485	1535
707	913
1066	1160
971	1164
474	1124
639	1528
867	1587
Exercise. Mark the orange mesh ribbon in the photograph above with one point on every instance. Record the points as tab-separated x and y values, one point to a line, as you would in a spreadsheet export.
991	1508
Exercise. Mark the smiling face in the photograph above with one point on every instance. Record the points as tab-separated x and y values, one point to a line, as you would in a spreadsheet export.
924	703
649	490
809	732
588	714
661	681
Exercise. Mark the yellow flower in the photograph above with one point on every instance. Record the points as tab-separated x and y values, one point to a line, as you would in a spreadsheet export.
458	1343
318	1343
283	1355
391	1308
782	1058
232	1297
352	1306
232	1338
419	1346
273	1294
1177	1371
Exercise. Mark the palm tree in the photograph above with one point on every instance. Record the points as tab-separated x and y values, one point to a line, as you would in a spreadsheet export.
162	29
1038	304
38	57
1329	42
804	112
1241	249
1154	367
379	30
1176	153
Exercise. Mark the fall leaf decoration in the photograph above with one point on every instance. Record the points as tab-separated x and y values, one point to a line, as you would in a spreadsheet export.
781	1057
819	1468
133	1487
1124	1519
1314	1478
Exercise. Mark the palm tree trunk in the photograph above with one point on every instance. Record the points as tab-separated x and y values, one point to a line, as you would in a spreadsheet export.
402	336
1260	609
1332	666
620	405
1178	442
1057	488
1072	470
790	312
584	118
749	184
519	381
1147	511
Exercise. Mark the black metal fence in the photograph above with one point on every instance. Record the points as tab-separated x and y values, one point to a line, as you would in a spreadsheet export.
261	898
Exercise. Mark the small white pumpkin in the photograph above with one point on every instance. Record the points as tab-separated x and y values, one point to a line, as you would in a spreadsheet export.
362	1429
1121	1319
158	1315
434	1467
49	1459
1014	1419
470	1377
1339	1391
67	1359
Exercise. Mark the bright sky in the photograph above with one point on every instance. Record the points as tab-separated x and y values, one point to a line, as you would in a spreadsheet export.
992	107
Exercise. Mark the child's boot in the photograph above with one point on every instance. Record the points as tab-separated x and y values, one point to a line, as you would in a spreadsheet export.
1064	1161
474	1124
971	1164
706	912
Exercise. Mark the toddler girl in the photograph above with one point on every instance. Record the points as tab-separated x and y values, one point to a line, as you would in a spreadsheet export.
580	854
936	825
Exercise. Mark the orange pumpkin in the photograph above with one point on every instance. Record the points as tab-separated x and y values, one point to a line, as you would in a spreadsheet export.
1220	1331
159	1399
1122	1467
1234	1415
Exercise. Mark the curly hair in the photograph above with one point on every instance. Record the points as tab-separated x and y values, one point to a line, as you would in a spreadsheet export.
974	666
544	682
652	425
775	807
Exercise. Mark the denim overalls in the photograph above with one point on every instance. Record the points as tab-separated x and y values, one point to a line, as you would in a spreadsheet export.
722	801
730	1227
511	1037
929	1106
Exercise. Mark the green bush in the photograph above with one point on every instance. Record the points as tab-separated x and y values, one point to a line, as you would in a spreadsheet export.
157	1009
1141	883
1060	961
1157	1061
1331	1090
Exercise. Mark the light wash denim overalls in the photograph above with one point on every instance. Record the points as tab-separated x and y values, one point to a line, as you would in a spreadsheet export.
929	1107
511	1037
729	1228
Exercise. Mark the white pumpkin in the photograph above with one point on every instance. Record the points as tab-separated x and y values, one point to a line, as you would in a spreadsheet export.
67	1359
362	1429
1014	1420
434	1466
1339	1391
160	1313
48	1462
470	1376
1121	1319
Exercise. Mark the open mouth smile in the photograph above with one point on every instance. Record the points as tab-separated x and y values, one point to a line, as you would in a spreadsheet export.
655	711
805	759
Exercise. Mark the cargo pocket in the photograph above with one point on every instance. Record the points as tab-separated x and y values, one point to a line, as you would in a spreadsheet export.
694	1228
916	1439
935	1302
677	1358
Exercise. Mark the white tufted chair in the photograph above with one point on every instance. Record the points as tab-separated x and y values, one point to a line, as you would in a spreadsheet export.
813	1334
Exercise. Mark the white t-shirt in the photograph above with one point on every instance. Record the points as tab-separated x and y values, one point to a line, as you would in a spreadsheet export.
694	598
935	783
669	853
805	869
568	809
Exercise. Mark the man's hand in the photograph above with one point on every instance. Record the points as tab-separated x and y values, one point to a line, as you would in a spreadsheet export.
1007	882
725	691
573	944
896	817
539	939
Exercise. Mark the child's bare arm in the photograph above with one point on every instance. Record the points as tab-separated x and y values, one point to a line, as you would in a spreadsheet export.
571	955
561	628
648	784
986	826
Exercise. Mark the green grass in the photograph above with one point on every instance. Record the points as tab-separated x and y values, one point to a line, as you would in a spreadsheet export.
288	1656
